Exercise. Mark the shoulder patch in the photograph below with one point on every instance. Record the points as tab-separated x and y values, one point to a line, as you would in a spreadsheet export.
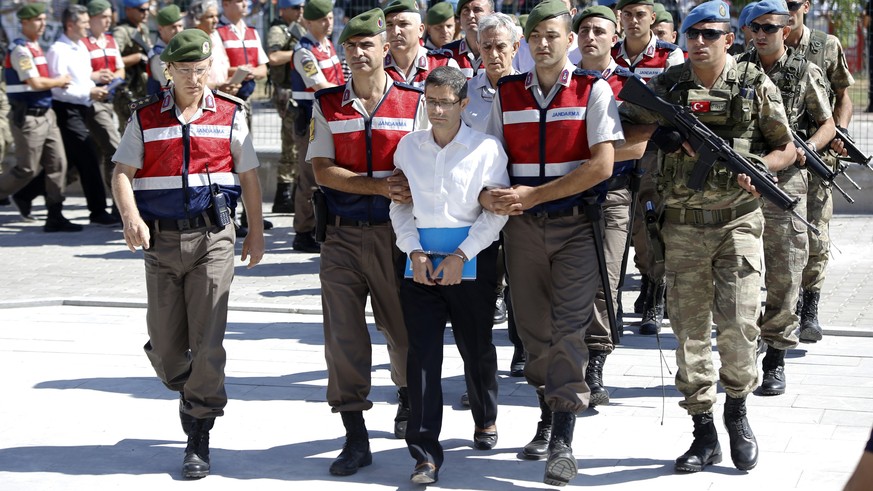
309	68
228	97
440	53
330	90
406	86
587	73
510	78
624	72
145	101
25	63
665	45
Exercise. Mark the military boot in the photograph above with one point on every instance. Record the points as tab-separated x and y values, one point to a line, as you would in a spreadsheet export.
356	450
704	450
186	419
561	466
640	302
773	383
283	202
594	378
56	222
196	463
402	417
744	446
810	330
538	448
654	308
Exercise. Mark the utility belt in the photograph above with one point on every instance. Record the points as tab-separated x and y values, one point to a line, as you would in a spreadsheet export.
18	107
566	212
694	216
203	220
339	221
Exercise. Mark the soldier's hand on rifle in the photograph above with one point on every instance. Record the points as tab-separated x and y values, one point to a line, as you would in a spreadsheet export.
801	158
745	182
398	188
839	147
501	201
667	139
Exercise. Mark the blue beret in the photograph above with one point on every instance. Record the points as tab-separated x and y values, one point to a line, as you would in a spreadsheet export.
285	4
744	14
134	3
712	11
765	7
606	3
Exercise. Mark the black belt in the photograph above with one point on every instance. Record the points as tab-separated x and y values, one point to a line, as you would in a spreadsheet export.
180	225
36	111
339	221
617	182
694	216
566	212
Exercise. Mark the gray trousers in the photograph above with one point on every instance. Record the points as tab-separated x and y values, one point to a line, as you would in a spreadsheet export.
38	145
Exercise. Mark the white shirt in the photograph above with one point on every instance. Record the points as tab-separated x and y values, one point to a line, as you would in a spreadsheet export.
481	95
524	62
602	122
445	184
68	58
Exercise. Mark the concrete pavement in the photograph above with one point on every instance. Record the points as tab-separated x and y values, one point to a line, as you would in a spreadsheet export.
82	408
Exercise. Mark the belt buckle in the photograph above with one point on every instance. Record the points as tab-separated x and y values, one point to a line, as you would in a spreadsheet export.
708	217
365	223
183	224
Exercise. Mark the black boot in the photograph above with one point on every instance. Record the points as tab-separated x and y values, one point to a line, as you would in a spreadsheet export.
561	466
356	451
744	447
594	378
305	242
538	448
283	202
810	330
704	449
516	365
640	302
773	383
56	222
654	308
196	463
403	411
186	419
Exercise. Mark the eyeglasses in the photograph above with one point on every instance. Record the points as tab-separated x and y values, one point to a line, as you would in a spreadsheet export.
144	10
767	28
187	72
708	34
443	105
795	6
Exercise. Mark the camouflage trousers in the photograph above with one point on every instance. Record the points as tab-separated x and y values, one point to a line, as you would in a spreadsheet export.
786	248
714	276
616	210
286	170
819	210
644	259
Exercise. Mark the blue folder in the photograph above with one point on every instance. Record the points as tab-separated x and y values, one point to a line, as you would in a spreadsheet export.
444	240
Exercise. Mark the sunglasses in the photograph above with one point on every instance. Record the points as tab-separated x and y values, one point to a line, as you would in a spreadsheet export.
145	10
795	6
708	34
767	28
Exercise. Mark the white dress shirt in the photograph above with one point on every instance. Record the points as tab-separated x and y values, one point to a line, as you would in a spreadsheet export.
445	184
481	94
68	58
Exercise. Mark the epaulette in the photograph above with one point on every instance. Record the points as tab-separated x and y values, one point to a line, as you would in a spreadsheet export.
19	42
231	98
404	85
329	90
510	78
450	47
145	101
439	52
665	45
589	73
624	72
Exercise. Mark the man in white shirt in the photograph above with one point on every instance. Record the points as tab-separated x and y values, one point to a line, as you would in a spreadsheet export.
447	167
69	56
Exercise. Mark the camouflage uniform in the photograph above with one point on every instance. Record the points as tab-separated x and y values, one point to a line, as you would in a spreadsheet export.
131	40
805	97
284	37
712	238
825	51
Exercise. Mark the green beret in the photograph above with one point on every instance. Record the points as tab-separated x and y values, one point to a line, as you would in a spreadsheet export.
189	45
317	9
395	6
460	6
624	3
663	16
369	23
31	10
439	13
594	11
97	7
659	7
546	10
522	20
169	15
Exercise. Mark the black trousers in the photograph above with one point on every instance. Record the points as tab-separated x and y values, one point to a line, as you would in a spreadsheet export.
470	308
81	150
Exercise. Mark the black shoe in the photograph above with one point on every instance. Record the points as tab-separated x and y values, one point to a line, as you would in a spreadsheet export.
24	207
356	450
196	463
516	366
810	329
403	411
704	450
59	223
594	378
465	399
773	382
304	242
561	466
654	314
283	202
538	448
485	439
500	310
268	225
104	219
5	202
744	446
640	302
425	473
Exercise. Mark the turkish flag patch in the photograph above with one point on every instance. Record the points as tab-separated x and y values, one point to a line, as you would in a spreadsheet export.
700	106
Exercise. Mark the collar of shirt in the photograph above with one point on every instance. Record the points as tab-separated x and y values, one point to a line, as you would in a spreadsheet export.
420	62
648	52
349	96
564	79
804	38
609	69
463	138
779	65
69	42
480	83
729	64
99	42
321	47
207	102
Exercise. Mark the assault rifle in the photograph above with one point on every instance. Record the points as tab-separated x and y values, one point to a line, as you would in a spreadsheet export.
710	148
818	167
855	153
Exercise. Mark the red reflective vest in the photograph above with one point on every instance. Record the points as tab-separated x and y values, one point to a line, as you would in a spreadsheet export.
464	57
544	144
240	51
424	63
653	62
17	89
176	155
330	66
103	58
366	146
